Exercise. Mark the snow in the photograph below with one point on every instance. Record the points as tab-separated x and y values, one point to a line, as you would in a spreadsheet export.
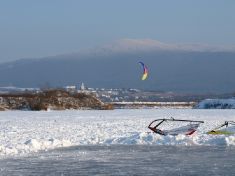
17	89
26	132
217	104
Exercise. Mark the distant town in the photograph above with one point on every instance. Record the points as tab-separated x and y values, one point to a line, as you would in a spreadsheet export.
127	94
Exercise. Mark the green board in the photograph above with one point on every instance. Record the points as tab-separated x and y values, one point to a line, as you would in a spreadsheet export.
220	132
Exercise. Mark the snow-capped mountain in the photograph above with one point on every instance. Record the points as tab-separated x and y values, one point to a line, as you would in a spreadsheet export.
172	67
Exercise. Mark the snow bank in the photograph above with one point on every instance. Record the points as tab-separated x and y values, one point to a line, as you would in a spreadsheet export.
24	132
217	104
33	145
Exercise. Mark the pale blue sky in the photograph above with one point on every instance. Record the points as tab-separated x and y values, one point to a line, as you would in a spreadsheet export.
31	28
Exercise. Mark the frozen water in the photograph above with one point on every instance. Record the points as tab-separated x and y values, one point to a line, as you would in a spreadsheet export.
112	143
27	132
124	160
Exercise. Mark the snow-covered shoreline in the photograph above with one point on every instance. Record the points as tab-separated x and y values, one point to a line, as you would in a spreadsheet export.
25	132
217	104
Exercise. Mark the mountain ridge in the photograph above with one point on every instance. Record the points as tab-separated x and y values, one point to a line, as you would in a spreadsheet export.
169	70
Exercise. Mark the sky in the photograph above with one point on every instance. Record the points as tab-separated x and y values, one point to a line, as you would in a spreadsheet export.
32	29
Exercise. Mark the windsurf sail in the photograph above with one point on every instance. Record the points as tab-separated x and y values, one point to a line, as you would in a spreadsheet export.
227	128
145	71
174	126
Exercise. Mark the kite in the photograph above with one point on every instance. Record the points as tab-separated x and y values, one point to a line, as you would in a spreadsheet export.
145	71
